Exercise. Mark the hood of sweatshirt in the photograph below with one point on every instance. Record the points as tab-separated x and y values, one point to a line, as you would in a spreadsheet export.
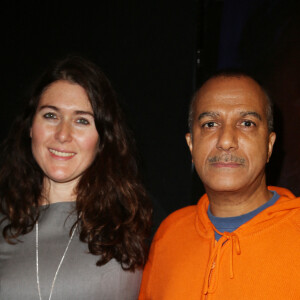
287	202
283	206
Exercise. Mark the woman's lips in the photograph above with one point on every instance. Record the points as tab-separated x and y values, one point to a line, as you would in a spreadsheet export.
61	154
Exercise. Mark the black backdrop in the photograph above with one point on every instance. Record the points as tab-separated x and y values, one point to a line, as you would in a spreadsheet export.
156	53
146	48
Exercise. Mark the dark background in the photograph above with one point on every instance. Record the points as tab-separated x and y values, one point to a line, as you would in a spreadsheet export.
156	53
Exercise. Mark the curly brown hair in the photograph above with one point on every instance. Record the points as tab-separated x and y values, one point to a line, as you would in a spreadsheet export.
113	211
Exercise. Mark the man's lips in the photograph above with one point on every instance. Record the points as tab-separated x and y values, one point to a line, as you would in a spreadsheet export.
226	165
64	154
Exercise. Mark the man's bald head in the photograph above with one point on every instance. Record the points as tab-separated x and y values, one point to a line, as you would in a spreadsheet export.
228	74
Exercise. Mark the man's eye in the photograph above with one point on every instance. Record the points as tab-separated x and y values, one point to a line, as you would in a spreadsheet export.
83	121
248	123
50	116
209	124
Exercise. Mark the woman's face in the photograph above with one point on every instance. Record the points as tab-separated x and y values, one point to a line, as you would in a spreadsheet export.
64	137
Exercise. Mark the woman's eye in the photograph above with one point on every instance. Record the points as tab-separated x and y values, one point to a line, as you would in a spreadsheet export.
50	116
83	121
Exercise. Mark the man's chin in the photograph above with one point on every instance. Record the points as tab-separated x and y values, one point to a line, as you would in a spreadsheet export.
224	187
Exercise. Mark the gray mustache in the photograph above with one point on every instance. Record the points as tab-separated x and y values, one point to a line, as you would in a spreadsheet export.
226	158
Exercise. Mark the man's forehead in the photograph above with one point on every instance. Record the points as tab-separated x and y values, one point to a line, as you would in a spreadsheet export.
223	91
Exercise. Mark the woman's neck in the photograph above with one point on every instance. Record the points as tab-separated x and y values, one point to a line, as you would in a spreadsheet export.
58	192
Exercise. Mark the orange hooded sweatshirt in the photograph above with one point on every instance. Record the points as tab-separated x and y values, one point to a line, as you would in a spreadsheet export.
259	260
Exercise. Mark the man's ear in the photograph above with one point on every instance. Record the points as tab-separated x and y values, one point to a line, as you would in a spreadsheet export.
188	138
272	138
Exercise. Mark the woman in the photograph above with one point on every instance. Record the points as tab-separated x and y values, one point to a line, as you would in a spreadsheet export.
74	216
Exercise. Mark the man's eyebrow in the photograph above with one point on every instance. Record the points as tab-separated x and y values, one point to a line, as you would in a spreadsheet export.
77	112
211	114
251	113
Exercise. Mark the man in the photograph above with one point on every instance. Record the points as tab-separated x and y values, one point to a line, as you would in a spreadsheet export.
242	240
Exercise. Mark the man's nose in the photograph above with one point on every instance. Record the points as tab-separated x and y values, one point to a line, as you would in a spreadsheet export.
227	140
64	132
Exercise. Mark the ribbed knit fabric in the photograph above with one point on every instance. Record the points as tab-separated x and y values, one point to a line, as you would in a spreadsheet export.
259	260
230	224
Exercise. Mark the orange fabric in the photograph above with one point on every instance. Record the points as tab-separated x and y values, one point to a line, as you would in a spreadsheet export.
259	260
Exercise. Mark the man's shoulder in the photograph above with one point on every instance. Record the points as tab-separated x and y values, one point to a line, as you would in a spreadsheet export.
179	221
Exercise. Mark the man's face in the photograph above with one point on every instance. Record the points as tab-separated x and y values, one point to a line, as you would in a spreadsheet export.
230	142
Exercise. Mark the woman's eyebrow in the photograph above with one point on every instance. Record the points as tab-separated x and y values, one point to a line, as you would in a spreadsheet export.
77	112
83	112
49	106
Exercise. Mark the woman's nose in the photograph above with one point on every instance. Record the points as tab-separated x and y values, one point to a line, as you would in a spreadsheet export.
64	132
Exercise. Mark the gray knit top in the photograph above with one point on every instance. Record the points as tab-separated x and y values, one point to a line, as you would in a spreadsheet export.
78	277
